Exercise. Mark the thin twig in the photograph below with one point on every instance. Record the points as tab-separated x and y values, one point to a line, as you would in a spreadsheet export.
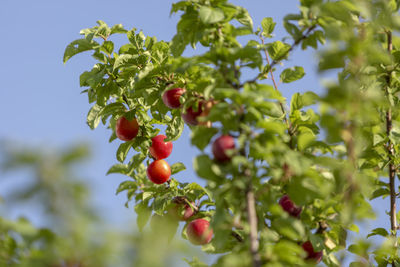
276	61
273	79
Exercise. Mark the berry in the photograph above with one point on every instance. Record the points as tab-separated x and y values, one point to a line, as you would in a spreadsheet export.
159	171
220	145
126	129
160	149
171	97
199	232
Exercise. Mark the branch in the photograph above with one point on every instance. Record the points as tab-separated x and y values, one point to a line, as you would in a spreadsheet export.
252	220
390	149
250	208
276	61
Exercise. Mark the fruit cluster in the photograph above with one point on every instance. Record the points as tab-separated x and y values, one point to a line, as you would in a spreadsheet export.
198	230
159	171
293	210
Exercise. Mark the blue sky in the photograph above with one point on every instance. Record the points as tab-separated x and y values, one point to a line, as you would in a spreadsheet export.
40	97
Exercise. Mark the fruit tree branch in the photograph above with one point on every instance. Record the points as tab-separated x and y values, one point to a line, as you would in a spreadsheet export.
252	220
390	148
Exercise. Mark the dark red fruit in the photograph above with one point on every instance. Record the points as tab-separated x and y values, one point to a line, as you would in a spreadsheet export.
311	254
199	232
182	211
220	145
190	115
288	206
171	97
159	171
126	129
160	149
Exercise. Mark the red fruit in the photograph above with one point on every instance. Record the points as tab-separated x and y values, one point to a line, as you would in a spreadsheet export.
199	232
311	254
160	149
126	129
190	116
220	145
288	206
171	97
159	171
182	212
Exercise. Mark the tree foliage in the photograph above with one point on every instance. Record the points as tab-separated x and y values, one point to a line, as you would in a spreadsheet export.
331	153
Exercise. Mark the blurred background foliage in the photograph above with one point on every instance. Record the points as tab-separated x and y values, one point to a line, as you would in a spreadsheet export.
75	233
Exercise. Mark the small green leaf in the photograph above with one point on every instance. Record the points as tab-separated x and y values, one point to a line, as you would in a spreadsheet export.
118	168
299	101
118	28
378	231
292	74
175	128
107	47
78	46
177	167
93	117
202	166
268	26
112	109
278	50
209	15
126	185
124	61
136	160
201	136
244	18
143	214
123	150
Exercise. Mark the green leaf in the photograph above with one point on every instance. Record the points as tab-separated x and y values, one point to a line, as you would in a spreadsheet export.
136	39
93	117
143	214
103	30
197	190
268	26
378	231
305	139
244	18
201	136
195	262
292	74
126	185
178	44
278	50
209	15
136	160
299	101
380	192
118	168
107	47
124	60
202	165
175	128
123	150
78	46
112	109
118	28
177	167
